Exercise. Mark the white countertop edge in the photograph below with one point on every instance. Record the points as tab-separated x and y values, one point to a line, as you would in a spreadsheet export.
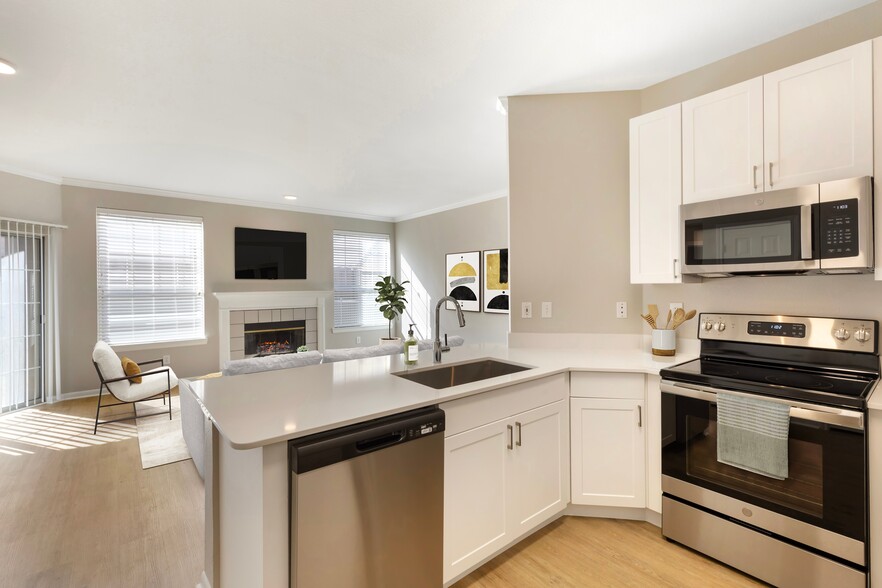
563	361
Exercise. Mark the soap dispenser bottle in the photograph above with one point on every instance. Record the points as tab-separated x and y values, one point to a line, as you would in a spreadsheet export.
411	348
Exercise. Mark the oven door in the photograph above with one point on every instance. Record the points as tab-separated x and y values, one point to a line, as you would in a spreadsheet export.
759	233
821	504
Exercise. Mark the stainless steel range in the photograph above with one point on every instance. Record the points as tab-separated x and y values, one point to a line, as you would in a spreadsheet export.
764	450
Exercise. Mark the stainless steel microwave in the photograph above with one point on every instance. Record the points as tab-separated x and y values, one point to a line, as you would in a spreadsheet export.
817	229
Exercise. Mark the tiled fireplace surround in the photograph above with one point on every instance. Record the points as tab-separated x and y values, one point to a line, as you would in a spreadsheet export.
238	308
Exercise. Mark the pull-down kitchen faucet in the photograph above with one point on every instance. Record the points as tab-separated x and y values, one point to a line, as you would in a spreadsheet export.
459	315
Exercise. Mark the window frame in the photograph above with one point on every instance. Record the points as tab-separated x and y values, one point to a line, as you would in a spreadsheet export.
363	290
199	282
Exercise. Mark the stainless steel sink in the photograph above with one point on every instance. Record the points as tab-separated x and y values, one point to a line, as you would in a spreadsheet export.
445	376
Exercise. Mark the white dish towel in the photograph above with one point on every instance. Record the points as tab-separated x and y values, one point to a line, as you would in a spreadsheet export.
752	434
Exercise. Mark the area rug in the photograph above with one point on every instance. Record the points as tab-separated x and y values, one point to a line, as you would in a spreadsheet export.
161	440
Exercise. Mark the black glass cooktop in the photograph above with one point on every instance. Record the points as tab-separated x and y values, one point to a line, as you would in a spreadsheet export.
822	387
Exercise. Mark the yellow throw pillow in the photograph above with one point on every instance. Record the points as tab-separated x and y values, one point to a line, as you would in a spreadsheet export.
131	369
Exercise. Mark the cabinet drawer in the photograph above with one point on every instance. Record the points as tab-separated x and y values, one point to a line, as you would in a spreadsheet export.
606	385
480	409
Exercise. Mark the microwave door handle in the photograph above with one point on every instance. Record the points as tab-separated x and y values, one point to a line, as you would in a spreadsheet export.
805	231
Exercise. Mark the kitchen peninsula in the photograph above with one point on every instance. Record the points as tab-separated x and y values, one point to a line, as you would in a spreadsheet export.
251	418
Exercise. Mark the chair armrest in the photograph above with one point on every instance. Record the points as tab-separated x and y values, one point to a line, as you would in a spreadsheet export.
151	361
158	370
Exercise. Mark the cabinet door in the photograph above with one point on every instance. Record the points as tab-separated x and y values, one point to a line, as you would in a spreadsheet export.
723	143
608	446
655	197
539	476
819	119
475	496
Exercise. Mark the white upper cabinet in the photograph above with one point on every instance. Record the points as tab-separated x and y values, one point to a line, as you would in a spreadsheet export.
655	197
819	119
723	143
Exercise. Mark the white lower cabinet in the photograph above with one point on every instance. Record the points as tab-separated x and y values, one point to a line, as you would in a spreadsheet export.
609	452
504	478
608	423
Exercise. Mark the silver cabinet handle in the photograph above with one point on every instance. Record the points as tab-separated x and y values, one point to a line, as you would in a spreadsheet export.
510	437
518	425
755	186
639	416
771	183
675	268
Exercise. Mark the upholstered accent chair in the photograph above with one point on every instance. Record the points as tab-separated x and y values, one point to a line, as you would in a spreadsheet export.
155	383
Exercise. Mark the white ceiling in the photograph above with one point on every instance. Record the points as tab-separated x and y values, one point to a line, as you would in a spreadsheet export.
383	108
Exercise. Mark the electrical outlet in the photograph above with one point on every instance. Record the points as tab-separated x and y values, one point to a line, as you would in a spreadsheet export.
621	310
546	310
526	310
675	305
166	360
357	340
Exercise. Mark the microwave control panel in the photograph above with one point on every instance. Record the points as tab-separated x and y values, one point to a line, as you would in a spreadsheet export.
839	229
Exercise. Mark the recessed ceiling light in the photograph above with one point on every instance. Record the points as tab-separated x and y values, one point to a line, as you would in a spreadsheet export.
290	197
6	68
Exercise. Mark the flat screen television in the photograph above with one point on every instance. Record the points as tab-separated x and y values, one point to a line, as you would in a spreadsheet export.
270	255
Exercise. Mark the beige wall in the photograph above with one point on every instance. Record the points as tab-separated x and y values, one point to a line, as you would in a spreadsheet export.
568	219
424	241
26	199
78	274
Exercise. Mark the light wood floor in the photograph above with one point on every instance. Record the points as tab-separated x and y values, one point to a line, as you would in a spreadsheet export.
78	510
581	552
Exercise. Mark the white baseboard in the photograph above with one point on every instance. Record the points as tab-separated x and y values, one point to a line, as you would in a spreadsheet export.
614	512
79	394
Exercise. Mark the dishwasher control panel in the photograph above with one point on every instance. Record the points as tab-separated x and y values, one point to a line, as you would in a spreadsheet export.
423	429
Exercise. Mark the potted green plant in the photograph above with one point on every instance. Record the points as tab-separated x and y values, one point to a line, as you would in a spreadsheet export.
390	295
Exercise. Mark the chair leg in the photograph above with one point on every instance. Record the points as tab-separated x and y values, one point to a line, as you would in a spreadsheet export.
168	391
98	410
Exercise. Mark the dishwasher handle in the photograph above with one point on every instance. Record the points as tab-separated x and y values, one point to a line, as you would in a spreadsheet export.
379	442
337	445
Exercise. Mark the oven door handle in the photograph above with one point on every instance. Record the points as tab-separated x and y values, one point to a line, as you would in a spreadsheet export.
849	419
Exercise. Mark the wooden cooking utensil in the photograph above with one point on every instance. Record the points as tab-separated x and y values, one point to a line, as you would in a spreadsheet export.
653	312
679	317
668	320
649	320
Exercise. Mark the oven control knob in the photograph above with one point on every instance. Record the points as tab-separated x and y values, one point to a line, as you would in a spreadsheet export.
842	334
721	326
862	335
708	326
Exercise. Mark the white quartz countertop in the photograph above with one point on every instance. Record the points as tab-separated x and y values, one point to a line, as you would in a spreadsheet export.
253	410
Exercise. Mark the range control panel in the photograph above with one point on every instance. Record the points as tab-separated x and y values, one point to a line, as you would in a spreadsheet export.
796	331
839	229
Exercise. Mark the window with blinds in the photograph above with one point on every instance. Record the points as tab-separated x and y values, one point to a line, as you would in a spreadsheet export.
360	259
150	278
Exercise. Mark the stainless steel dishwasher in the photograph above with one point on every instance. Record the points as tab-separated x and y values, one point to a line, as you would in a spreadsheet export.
367	504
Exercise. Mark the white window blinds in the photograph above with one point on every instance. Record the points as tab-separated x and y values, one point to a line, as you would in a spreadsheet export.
150	278
360	260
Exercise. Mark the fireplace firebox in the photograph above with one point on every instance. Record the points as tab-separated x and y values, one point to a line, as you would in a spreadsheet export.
274	338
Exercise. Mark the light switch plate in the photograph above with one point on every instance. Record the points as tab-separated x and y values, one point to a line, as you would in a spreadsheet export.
526	310
546	310
675	305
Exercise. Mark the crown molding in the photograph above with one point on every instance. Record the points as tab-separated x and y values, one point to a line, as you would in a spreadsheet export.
16	171
455	205
80	183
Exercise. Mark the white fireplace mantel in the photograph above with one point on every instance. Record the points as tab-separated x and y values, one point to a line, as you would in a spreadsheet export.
232	301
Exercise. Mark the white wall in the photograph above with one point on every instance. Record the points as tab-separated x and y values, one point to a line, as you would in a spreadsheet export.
424	241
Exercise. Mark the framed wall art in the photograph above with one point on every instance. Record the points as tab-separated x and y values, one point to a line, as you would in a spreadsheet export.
464	280
496	281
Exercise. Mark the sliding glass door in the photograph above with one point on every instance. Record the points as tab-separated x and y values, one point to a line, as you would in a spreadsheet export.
21	314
